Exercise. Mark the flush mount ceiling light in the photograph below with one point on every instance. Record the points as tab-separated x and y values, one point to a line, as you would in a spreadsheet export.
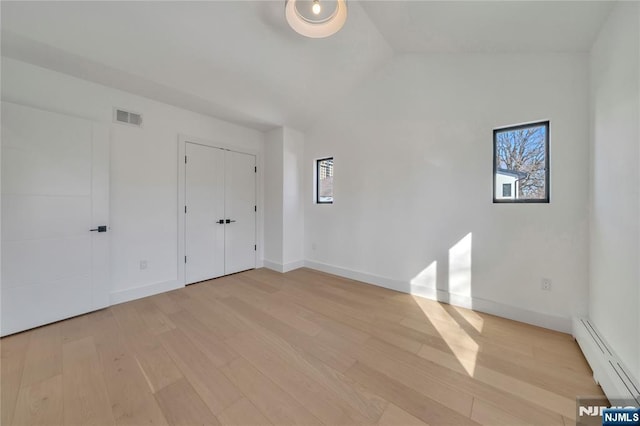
316	18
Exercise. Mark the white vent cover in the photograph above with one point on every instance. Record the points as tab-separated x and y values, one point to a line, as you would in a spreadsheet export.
127	117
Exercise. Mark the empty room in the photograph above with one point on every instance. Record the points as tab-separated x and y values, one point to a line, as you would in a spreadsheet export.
320	212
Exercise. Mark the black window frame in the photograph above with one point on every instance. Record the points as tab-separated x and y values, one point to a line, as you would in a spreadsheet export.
318	161
547	174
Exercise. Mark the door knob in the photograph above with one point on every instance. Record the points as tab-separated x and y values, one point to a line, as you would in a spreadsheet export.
229	220
221	221
102	228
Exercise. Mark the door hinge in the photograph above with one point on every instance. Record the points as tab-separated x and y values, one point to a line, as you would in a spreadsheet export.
185	259
185	209
255	208
255	169
185	159
255	247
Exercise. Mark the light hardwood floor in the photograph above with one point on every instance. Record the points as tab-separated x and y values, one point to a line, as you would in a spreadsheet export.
305	348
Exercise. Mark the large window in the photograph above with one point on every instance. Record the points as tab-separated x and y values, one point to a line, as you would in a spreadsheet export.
324	181
521	164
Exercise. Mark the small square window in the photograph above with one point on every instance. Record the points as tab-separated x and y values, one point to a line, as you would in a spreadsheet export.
324	181
506	190
521	163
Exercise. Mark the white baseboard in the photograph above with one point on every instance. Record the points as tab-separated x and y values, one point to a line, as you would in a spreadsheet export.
616	381
143	291
293	265
279	267
540	319
274	266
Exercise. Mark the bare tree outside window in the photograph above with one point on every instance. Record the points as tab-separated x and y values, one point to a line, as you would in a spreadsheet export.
521	160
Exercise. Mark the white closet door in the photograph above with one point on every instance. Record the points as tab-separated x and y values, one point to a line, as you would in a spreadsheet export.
204	196
55	188
240	202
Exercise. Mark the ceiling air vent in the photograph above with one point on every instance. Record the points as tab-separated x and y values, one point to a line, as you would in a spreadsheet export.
127	117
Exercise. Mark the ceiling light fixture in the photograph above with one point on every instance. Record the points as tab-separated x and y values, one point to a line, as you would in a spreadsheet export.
311	19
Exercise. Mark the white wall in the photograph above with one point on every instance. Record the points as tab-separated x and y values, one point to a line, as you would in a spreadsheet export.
273	196
413	184
293	202
614	290
144	164
284	208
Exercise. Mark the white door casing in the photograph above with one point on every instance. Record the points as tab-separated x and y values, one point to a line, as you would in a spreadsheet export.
55	188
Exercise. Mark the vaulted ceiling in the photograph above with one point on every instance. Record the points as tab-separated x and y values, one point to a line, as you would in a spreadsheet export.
489	26
238	60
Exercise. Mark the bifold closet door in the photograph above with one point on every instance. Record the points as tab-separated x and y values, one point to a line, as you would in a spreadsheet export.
204	196
240	210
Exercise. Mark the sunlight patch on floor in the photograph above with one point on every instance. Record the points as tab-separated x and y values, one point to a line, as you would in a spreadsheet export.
471	317
452	325
462	346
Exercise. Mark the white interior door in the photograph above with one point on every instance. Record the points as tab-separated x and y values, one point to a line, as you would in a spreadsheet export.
240	206
204	199
55	177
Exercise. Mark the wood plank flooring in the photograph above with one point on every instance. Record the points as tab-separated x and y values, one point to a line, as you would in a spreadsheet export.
301	348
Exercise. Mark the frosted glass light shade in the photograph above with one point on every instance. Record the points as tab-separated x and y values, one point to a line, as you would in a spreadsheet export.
309	27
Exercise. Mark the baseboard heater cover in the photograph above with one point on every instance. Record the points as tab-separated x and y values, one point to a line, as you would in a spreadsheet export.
609	372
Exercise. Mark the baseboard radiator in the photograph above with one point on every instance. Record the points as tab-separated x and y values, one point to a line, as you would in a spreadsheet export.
616	381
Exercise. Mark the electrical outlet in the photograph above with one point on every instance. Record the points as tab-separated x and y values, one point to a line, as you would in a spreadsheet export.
143	264
545	284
